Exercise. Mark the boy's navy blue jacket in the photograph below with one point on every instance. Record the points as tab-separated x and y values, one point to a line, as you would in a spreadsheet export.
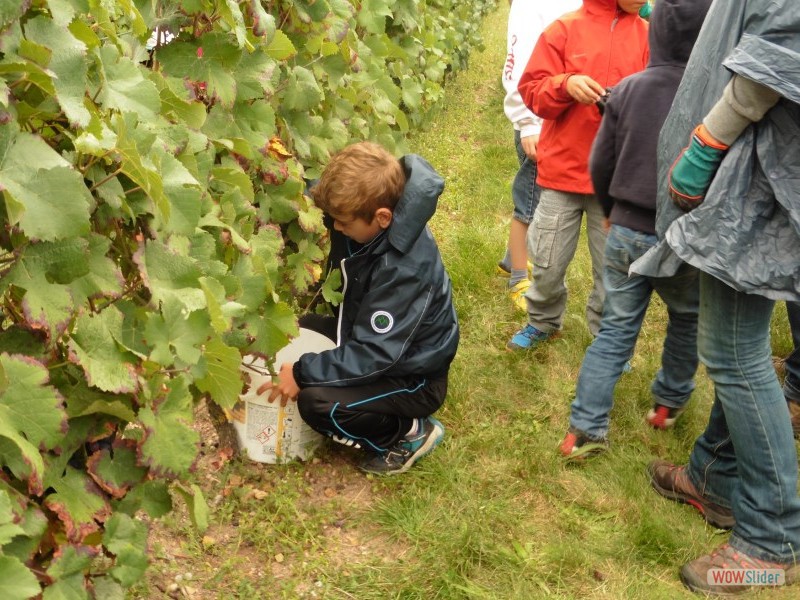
397	316
622	163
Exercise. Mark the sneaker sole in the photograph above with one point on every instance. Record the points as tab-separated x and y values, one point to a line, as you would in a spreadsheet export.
701	587
711	516
426	448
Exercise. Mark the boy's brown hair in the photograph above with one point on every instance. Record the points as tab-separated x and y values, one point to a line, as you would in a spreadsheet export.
359	180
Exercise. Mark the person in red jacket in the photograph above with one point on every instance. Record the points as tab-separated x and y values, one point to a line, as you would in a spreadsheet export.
577	58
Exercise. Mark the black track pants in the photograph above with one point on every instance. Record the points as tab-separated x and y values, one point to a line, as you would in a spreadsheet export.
375	415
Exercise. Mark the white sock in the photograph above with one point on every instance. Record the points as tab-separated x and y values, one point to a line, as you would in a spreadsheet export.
416	427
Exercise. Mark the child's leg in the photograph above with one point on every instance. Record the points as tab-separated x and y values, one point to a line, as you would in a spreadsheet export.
552	241
675	380
376	415
626	302
525	194
596	235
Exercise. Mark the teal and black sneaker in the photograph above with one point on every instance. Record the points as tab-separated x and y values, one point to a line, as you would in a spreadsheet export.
402	456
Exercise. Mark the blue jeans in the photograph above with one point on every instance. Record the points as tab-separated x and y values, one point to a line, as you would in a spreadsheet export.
791	385
746	458
626	302
524	191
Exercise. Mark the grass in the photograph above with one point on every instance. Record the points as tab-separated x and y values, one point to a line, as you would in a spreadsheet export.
493	513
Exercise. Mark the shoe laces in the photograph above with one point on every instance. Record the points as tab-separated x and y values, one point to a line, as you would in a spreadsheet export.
729	558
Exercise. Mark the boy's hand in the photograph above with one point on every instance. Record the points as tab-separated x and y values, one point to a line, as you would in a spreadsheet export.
286	387
584	89
529	145
693	171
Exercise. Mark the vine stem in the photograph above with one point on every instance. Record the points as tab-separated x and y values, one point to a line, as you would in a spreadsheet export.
102	181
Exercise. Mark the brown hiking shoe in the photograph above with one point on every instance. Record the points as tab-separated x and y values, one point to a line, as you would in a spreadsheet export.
726	572
794	412
673	482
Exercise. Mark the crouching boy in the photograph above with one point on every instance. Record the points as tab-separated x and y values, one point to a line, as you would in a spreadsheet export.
397	331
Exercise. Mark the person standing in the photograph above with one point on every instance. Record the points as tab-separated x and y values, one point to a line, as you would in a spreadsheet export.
526	21
575	60
623	169
739	105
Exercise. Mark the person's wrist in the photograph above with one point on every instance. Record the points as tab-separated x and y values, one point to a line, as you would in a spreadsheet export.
704	136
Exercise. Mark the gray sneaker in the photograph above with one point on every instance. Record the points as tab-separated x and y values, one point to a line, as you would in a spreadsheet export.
402	456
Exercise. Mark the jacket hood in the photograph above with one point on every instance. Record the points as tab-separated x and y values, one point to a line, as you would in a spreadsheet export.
596	7
674	26
417	204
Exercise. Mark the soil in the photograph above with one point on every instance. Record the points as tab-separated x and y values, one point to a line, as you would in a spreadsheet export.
187	564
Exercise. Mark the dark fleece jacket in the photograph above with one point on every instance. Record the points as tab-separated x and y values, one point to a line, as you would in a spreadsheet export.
622	163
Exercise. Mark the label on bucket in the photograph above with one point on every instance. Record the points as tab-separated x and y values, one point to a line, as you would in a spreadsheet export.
269	432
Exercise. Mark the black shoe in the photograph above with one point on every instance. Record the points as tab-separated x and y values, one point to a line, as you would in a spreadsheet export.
402	456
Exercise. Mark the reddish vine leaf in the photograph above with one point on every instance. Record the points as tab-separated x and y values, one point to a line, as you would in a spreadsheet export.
80	505
116	474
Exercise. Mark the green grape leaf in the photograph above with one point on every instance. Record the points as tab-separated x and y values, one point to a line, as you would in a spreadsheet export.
29	405
372	15
302	92
37	184
96	139
8	528
16	581
116	475
103	279
67	574
235	178
150	496
215	294
125	86
273	331
174	332
68	62
106	365
33	523
281	47
170	276
79	504
222	380
107	589
170	444
10	11
46	306
126	539
332	287
198	509
210	59
135	164
192	113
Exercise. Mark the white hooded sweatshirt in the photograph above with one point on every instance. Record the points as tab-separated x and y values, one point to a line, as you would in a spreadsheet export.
526	21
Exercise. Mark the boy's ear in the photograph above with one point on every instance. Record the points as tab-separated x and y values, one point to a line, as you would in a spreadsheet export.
384	217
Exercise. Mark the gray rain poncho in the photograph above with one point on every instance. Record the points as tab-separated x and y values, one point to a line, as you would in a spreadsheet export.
747	232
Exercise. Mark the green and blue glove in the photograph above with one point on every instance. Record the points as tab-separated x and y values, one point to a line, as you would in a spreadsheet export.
646	11
694	170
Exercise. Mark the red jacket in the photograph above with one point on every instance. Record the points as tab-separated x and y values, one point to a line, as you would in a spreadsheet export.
598	40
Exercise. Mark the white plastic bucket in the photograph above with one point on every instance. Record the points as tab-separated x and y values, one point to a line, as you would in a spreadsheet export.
267	431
